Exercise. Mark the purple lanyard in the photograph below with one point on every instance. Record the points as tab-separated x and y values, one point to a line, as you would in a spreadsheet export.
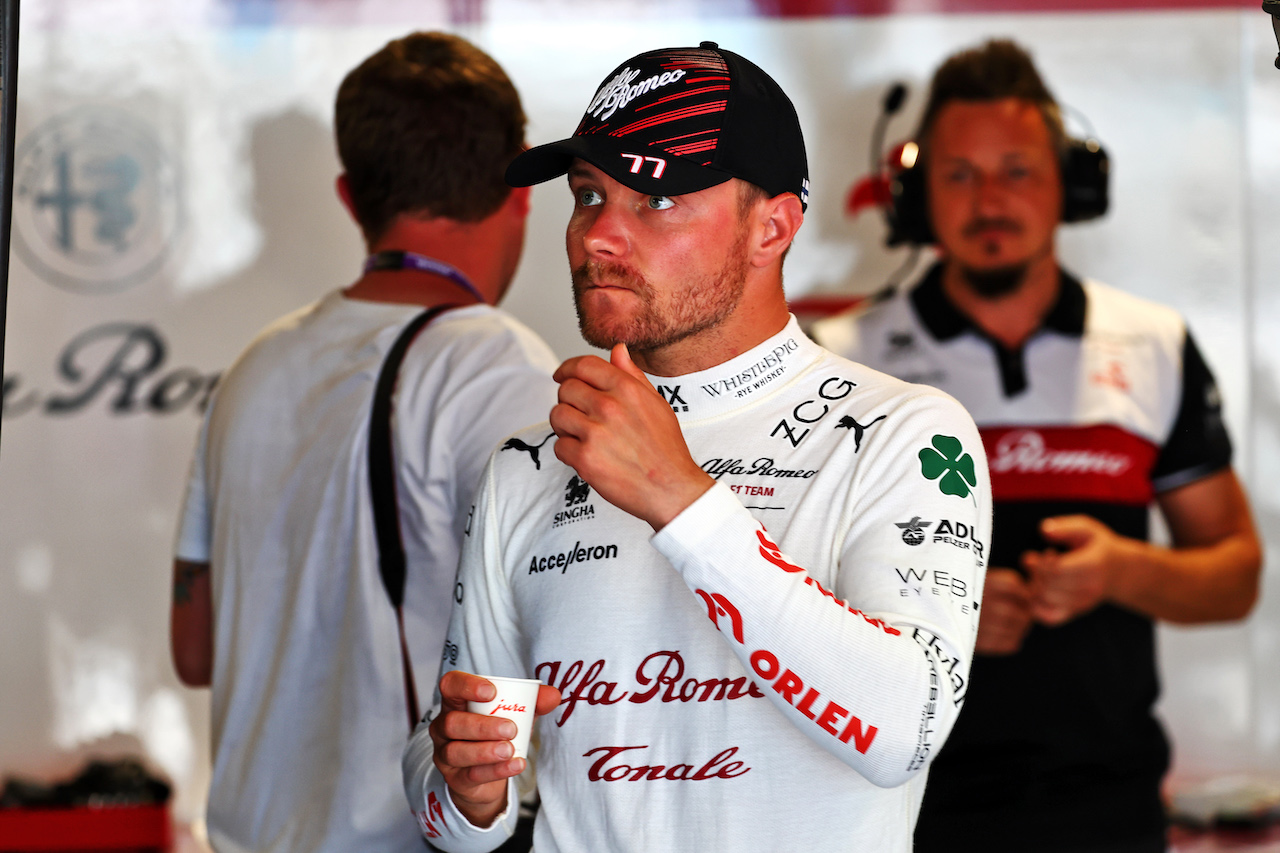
398	260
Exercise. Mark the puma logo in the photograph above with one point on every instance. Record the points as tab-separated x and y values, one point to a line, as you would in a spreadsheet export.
847	422
531	449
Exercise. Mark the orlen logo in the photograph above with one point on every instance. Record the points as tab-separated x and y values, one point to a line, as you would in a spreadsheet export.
1025	452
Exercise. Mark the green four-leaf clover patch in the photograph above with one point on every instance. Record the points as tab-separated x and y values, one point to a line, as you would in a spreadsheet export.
948	461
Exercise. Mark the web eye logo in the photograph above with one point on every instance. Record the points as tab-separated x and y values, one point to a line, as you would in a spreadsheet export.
97	206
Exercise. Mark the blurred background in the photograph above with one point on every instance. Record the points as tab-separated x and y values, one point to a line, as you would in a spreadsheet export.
174	192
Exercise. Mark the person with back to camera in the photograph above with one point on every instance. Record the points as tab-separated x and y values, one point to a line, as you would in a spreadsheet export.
278	600
1092	404
706	566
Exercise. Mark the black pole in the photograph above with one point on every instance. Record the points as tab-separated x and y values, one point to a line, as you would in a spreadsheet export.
8	116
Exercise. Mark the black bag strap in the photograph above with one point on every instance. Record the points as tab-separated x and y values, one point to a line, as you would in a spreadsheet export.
382	490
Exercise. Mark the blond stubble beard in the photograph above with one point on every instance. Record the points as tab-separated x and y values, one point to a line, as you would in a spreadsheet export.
663	319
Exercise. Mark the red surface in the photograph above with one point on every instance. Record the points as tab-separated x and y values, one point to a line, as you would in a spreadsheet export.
1083	463
1261	840
133	828
817	8
823	306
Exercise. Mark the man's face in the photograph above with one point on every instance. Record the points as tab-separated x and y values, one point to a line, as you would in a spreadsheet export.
994	187
650	271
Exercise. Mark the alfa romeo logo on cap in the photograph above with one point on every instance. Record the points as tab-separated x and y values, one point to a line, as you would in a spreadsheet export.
96	206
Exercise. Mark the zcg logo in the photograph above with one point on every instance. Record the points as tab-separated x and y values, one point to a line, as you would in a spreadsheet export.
812	411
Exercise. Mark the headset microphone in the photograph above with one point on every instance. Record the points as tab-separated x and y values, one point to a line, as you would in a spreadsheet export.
1272	7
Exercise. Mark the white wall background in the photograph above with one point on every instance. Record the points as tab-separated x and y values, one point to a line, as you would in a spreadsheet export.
205	127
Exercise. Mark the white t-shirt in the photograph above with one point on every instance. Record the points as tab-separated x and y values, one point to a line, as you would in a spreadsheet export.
721	691
308	710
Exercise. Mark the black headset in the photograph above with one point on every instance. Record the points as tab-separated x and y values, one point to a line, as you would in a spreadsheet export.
1085	172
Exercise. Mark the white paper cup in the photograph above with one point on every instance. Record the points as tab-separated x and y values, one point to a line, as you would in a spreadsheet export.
515	700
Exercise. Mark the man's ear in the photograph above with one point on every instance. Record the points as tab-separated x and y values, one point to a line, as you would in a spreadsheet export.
343	186
519	200
778	220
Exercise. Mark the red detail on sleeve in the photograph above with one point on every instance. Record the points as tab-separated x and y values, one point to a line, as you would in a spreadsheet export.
717	606
773	553
427	819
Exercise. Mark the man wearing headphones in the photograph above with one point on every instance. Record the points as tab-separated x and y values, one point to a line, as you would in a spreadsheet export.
1091	404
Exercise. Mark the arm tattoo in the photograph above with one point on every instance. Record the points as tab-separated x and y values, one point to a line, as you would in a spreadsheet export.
185	574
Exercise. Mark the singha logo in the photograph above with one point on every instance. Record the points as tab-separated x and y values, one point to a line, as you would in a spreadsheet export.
576	491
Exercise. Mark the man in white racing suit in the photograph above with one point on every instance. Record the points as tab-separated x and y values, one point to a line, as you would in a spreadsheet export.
747	571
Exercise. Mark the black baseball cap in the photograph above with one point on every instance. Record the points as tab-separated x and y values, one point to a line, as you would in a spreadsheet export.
679	120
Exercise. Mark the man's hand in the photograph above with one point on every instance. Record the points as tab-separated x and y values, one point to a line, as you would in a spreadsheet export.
473	752
1005	617
1065	585
618	433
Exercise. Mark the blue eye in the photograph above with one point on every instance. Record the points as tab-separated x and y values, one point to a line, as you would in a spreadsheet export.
589	198
660	202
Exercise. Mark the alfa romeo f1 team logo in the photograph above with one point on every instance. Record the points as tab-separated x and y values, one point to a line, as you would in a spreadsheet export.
96	201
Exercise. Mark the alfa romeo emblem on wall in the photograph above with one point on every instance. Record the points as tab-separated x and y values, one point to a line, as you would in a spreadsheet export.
96	206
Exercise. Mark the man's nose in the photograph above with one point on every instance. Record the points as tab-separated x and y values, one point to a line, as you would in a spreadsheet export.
608	234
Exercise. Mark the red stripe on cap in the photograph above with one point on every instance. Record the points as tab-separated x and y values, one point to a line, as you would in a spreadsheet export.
673	115
684	136
1090	463
694	148
694	60
665	99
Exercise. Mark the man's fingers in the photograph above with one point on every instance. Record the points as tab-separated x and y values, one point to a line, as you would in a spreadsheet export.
1069	530
573	366
567	420
478	775
1006	584
1049	614
548	700
457	688
591	369
620	357
473	753
463	725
